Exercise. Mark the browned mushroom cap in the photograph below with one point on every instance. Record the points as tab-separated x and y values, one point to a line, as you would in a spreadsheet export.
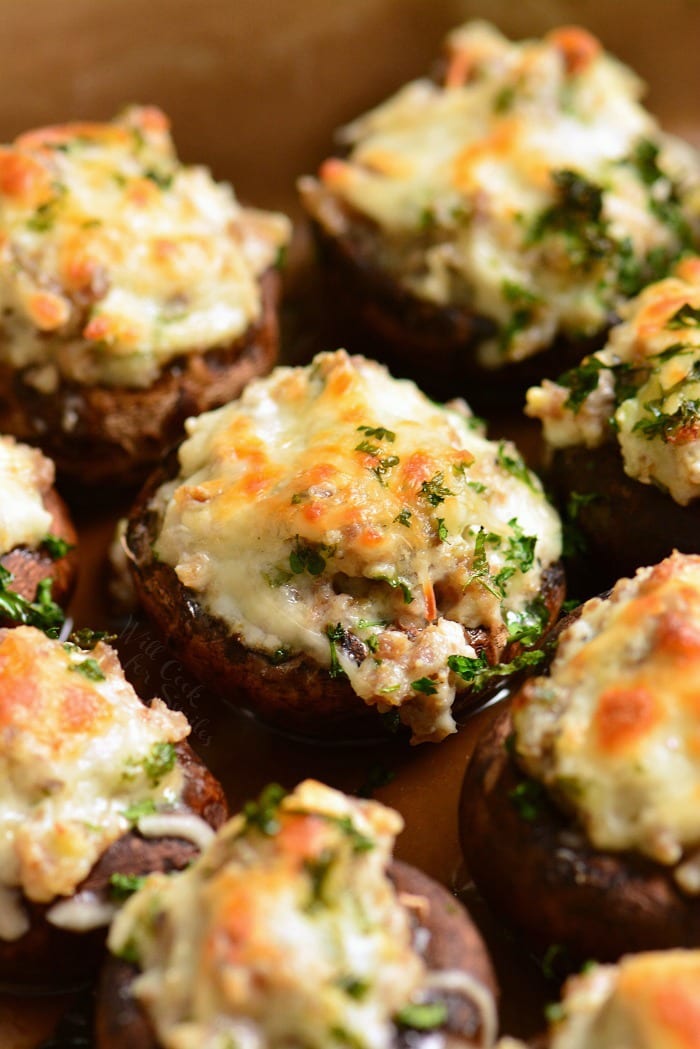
30	565
454	944
295	694
117	434
49	956
624	524
538	873
433	344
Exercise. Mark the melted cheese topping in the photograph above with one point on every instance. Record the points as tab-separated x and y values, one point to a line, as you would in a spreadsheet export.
78	751
115	258
614	731
531	187
647	1001
25	476
642	390
286	931
337	512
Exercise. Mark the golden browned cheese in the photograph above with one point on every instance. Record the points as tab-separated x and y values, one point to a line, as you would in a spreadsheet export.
334	501
115	257
531	187
81	760
614	731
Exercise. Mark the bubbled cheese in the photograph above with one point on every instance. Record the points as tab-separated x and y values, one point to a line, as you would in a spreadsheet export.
647	1001
642	390
286	931
77	751
337	512
614	730
115	257
531	186
25	476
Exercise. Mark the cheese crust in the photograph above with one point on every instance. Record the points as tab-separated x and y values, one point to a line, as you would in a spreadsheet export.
613	731
81	759
647	1001
642	391
116	258
530	187
337	512
286	931
25	477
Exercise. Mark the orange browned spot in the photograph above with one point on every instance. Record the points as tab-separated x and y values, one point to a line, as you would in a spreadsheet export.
370	536
678	636
577	45
228	940
301	835
334	171
98	328
23	178
48	311
58	134
659	309
689	269
142	192
79	271
415	469
81	709
430	603
458	69
19	694
677	1007
313	512
151	118
163	249
623	716
340	381
497	144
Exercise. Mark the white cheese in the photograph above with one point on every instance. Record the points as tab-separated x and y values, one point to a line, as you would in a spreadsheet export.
613	731
77	750
654	355
332	502
115	257
286	931
460	179
25	476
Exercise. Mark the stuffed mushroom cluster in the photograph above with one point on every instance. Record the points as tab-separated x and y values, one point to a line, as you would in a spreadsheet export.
327	548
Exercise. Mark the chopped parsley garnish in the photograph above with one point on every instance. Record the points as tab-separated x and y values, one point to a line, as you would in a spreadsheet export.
89	668
434	491
476	486
422	1016
138	809
645	160
336	635
581	381
577	215
527	626
686	316
161	179
528	798
519	552
121	886
481	570
160	761
424	685
669	425
262	814
380	432
403	518
87	638
523	303
397	583
55	546
442	532
318	869
476	671
42	612
515	465
353	986
307	557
